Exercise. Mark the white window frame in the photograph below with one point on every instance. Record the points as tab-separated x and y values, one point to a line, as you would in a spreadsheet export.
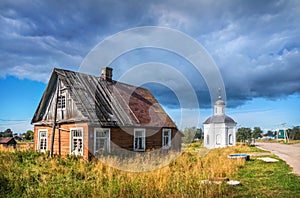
96	130
74	152
143	139
39	140
169	136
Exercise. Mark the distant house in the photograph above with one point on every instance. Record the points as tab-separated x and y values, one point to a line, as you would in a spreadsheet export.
8	141
18	138
93	114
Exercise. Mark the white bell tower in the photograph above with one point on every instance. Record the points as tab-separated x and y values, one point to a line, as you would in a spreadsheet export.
219	129
219	107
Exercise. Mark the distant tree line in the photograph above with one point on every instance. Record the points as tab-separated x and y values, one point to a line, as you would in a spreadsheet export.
6	133
28	135
294	133
244	133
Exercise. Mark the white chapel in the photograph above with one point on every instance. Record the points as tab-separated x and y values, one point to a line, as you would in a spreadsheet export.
219	129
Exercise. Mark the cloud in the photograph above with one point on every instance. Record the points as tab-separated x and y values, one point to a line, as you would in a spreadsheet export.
58	34
254	43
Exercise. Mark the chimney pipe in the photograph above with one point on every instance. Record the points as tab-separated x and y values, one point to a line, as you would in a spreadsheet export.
106	73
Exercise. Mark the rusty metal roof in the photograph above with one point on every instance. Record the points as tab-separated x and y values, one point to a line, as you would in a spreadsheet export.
6	140
109	103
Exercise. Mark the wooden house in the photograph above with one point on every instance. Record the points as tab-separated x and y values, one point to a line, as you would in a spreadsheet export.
8	141
82	114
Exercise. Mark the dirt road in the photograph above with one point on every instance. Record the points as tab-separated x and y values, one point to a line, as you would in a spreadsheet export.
289	153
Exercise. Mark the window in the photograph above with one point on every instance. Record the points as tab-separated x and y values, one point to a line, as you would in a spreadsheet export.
76	141
230	139
166	138
207	139
61	102
42	140
139	140
218	139
101	140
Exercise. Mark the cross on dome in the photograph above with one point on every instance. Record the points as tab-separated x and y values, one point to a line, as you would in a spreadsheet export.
219	97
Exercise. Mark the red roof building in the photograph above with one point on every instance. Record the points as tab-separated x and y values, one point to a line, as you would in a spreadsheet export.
8	141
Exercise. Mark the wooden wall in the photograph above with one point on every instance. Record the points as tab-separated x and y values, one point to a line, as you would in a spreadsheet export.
119	138
62	138
122	138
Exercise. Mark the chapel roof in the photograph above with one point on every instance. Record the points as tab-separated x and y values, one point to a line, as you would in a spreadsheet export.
219	119
219	102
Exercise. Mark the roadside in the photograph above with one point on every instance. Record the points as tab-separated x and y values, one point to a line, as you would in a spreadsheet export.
289	153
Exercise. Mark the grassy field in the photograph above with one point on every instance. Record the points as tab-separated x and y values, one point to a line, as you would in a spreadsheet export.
31	174
261	179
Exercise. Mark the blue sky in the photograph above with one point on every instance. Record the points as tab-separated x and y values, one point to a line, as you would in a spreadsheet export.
255	45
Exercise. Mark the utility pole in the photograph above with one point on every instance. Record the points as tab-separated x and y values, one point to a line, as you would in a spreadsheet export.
286	138
55	115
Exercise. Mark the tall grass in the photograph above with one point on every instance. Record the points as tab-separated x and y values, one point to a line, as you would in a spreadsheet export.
32	174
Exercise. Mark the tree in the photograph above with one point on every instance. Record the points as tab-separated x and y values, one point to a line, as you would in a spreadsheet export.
199	134
294	133
256	132
7	133
189	134
243	134
29	135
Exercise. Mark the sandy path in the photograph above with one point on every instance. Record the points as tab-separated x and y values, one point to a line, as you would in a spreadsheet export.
289	153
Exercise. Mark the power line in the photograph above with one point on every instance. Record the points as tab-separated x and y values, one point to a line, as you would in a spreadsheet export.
5	120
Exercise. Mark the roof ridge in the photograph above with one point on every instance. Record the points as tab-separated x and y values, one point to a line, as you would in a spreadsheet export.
56	69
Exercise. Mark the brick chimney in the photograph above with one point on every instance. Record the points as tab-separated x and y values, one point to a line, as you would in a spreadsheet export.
106	73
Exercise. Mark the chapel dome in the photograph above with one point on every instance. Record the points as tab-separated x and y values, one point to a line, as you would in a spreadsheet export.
219	102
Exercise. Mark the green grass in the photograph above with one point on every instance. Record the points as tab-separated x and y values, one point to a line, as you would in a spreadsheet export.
261	179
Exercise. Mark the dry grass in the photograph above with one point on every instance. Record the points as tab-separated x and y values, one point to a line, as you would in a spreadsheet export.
32	174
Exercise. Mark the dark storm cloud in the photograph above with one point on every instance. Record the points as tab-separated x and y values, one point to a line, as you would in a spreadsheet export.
254	43
59	33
